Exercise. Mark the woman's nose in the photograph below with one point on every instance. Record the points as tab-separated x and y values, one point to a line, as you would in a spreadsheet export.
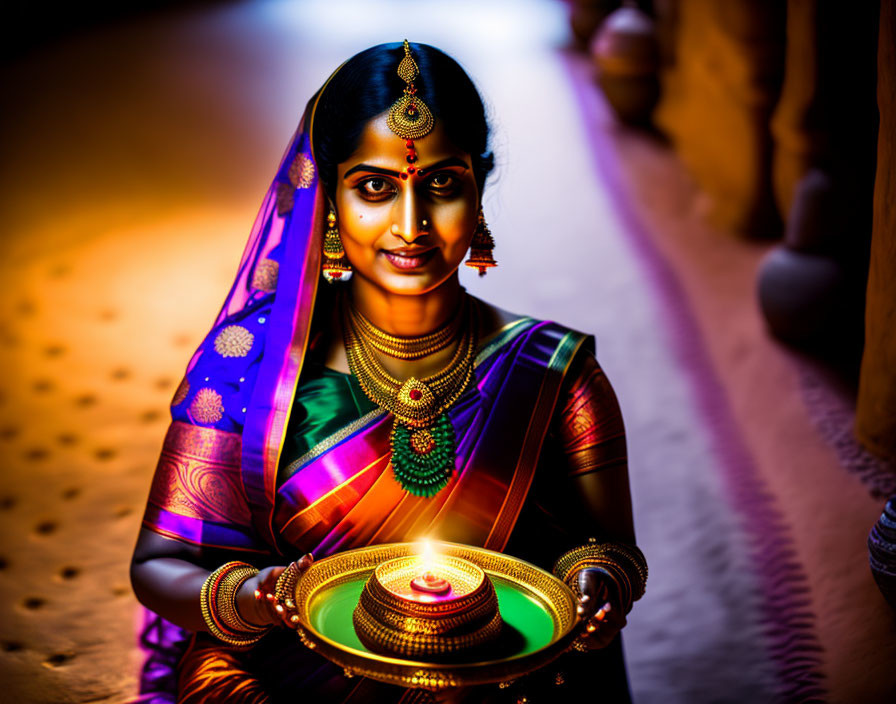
407	224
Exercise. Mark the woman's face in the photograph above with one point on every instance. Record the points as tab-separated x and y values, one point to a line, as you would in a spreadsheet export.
405	236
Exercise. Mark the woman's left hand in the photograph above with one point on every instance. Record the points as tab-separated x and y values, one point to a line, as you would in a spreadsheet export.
603	619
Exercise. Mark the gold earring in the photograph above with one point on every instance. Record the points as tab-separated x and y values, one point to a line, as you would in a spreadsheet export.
481	248
335	266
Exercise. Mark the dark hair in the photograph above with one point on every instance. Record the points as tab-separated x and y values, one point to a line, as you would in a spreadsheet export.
367	85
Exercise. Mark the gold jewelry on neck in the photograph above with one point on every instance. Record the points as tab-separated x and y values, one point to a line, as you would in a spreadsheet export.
422	439
407	348
415	402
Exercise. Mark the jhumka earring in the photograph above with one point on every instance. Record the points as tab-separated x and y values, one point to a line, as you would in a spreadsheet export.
335	266
481	248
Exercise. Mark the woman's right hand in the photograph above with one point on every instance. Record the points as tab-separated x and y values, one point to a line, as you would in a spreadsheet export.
256	601
596	607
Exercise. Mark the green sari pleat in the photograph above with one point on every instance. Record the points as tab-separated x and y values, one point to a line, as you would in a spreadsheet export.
326	401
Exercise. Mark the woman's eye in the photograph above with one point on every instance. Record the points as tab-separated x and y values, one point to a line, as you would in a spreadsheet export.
375	188
442	182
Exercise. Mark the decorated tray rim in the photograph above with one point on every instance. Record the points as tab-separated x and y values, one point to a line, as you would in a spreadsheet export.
564	629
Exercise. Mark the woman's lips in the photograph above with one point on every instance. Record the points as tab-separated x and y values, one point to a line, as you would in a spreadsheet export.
409	260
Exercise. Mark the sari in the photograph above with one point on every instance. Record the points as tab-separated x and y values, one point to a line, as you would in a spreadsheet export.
271	455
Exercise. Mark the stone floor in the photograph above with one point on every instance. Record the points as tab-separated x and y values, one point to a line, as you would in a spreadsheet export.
134	160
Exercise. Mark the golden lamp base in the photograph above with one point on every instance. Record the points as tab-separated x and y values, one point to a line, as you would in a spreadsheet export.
536	612
401	613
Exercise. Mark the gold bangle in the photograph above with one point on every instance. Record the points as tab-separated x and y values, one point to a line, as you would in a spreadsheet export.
630	554
631	559
634	556
285	587
624	564
228	588
210	601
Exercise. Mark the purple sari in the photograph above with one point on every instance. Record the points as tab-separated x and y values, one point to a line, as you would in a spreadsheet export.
216	482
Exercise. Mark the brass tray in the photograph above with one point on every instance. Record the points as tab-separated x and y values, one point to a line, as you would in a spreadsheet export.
539	613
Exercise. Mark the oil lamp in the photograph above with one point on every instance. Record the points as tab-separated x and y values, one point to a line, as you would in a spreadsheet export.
427	582
434	640
426	605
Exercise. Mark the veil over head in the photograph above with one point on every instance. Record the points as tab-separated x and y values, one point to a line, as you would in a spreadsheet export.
242	377
229	414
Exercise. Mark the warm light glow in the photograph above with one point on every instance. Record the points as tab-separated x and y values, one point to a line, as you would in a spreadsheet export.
428	579
427	556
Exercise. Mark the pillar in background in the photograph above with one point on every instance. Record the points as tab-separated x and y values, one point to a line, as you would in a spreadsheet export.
799	124
718	97
876	413
811	288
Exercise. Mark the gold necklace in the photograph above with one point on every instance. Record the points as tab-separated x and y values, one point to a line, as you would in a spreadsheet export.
407	348
422	439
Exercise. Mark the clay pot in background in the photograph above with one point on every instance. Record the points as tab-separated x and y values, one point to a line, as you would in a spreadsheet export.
586	16
804	288
824	134
625	52
799	293
882	552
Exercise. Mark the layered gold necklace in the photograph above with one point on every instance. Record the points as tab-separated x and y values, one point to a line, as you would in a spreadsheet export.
408	348
423	440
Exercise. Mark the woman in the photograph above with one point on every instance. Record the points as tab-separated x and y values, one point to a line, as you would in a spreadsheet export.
387	406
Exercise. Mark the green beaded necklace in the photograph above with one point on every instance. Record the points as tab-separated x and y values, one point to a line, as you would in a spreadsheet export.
422	438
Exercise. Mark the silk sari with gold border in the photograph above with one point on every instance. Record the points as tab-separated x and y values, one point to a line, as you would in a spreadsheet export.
342	494
215	485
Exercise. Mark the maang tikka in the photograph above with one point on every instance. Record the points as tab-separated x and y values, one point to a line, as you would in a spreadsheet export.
409	117
335	266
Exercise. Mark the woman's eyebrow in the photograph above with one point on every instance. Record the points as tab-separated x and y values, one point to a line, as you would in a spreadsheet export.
450	161
371	169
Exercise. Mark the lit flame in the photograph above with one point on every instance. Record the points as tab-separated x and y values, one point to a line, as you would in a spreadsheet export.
427	556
